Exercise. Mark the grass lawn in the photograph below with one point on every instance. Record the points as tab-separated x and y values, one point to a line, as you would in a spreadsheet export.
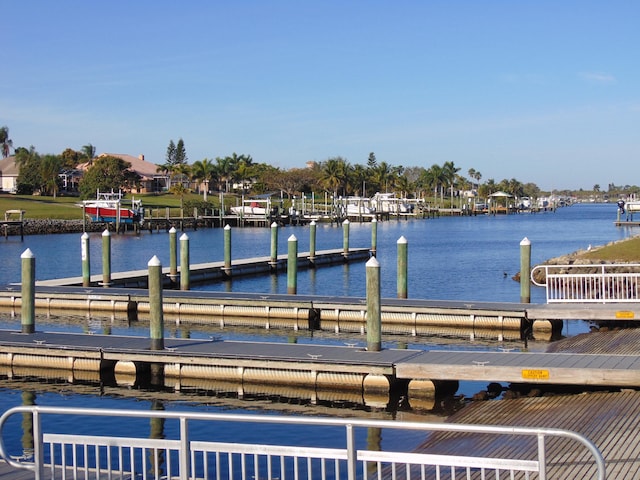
66	208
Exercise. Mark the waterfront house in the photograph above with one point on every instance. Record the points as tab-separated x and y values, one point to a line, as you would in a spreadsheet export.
8	174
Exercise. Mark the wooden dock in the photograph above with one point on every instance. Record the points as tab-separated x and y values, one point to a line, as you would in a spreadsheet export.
610	420
313	366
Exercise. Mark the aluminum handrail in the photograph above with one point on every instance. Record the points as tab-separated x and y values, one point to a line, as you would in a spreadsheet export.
185	447
580	284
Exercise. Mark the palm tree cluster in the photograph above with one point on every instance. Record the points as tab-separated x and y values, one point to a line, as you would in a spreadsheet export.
5	141
240	174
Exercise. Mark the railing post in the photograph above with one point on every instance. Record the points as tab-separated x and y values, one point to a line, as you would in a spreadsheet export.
38	446
352	454
185	449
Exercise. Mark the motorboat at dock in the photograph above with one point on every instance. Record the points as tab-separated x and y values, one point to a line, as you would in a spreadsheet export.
111	207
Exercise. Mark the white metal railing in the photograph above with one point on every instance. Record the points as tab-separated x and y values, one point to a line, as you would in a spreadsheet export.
74	455
606	283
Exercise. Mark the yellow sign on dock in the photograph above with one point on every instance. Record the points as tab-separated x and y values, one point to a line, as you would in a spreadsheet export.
626	315
535	374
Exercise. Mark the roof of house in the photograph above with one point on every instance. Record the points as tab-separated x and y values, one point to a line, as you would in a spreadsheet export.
146	170
8	167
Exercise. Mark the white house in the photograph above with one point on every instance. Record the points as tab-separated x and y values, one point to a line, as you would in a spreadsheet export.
8	174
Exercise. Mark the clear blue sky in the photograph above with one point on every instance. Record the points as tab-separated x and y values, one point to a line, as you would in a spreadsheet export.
541	91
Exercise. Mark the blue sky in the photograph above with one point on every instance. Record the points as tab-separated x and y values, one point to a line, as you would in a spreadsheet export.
541	91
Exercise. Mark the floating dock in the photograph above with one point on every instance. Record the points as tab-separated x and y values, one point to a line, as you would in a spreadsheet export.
193	363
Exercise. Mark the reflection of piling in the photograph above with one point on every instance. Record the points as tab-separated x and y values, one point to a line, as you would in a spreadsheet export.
86	260
374	322
28	399
402	267
28	292
374	236
525	270
292	265
156	431
185	272
106	258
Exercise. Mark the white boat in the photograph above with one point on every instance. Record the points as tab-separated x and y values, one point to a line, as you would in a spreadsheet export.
111	207
389	203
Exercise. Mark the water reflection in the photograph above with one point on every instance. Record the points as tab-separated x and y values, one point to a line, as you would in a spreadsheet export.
157	456
28	399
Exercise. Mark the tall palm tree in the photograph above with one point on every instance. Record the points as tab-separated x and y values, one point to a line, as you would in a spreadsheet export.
225	168
435	179
6	142
450	172
335	175
203	171
89	151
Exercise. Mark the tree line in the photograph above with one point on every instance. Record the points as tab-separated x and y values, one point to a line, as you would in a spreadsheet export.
239	173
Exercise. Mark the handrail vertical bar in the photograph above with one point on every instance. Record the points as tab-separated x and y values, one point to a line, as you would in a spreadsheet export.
184	449
542	462
352	457
38	446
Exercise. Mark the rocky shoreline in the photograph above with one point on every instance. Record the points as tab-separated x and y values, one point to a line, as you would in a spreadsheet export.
42	226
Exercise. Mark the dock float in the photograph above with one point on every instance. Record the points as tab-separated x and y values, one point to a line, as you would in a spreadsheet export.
370	375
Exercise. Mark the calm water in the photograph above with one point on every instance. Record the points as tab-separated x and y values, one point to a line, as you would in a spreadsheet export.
467	258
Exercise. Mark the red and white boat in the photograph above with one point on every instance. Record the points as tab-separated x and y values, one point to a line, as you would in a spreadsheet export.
111	207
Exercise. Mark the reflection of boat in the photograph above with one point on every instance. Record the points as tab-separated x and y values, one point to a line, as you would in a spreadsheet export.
110	207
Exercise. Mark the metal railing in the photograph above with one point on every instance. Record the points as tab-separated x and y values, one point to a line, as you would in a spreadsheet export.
62	452
606	283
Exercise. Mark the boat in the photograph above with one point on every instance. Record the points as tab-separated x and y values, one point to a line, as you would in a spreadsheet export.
389	203
112	208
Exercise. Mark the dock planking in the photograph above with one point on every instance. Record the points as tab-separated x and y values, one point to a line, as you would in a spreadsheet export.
524	367
620	370
610	420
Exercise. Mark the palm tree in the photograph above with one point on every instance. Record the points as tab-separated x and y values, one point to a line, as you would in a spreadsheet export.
450	172
89	151
225	168
335	174
6	142
245	170
434	178
49	169
203	171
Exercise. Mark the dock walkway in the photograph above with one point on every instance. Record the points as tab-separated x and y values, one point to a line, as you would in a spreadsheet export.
317	366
